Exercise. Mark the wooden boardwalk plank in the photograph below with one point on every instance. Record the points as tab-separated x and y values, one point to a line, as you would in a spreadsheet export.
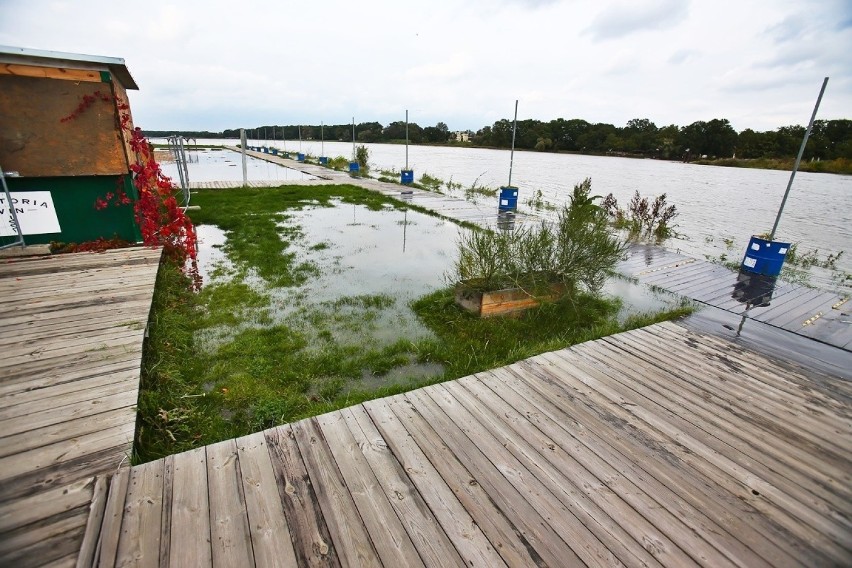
454	518
189	534
433	544
788	511
229	530
352	541
390	538
270	534
309	533
139	542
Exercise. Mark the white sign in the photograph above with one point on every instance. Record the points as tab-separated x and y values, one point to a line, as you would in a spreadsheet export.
35	211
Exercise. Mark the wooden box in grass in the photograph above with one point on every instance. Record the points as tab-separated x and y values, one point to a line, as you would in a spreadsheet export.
509	301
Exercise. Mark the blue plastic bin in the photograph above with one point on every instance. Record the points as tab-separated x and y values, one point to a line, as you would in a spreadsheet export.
764	257
323	160
508	198
406	176
354	167
300	157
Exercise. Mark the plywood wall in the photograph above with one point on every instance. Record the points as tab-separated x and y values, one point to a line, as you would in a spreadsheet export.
36	143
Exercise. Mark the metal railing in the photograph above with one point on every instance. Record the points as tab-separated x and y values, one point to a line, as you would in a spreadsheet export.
8	207
178	150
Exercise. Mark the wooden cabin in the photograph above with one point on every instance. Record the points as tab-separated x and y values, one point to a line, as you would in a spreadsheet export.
65	126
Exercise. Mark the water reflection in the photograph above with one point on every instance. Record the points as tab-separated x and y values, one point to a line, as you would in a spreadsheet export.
225	165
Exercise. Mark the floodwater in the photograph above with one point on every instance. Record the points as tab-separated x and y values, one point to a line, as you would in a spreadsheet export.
398	255
226	165
720	208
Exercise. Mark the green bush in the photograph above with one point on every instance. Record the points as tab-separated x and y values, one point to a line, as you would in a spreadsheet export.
577	251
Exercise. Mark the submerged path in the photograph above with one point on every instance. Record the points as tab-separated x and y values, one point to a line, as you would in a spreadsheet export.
816	314
656	447
71	333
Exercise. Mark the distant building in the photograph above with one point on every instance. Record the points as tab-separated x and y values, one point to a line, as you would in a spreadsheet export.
462	136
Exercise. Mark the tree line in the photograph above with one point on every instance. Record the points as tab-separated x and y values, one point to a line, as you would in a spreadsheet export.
830	139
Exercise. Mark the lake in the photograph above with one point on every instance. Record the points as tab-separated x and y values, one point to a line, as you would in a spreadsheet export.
720	208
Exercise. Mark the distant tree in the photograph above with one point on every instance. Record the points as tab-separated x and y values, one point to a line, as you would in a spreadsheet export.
639	136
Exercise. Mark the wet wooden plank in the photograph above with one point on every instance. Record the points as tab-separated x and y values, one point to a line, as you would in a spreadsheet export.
91	536
351	539
139	542
229	530
387	533
270	534
312	543
787	511
190	540
453	518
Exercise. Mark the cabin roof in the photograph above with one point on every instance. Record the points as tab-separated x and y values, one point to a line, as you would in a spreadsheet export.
45	58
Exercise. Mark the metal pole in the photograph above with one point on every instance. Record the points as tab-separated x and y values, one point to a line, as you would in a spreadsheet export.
798	160
353	138
300	138
243	148
406	139
11	205
322	139
512	154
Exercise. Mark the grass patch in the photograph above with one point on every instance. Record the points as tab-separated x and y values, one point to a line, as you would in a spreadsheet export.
251	350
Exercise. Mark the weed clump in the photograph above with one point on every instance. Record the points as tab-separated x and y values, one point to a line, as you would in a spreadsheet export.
642	219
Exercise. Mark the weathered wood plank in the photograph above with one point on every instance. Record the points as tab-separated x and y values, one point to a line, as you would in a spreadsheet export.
574	538
720	467
639	455
454	518
352	541
429	538
498	523
575	486
392	542
113	515
190	541
312	543
21	512
38	414
88	548
229	531
270	534
139	544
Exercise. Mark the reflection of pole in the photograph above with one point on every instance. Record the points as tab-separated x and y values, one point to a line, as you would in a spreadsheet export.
243	148
512	154
798	159
404	228
406	140
742	321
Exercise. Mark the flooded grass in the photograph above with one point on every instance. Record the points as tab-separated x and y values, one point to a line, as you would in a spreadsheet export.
317	298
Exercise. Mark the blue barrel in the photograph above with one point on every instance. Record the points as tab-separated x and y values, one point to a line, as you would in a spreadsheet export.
508	198
354	167
764	257
323	160
406	176
273	151
300	157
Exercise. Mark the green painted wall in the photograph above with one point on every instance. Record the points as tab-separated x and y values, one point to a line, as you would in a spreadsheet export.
74	199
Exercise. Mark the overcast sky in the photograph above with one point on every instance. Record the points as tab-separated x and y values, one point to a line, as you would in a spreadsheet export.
217	64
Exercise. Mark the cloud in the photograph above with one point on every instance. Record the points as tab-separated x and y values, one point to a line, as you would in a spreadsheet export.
620	20
684	56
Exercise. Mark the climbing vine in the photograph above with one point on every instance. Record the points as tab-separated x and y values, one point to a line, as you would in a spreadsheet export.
161	220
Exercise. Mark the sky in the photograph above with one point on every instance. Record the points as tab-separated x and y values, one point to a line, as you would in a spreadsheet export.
214	64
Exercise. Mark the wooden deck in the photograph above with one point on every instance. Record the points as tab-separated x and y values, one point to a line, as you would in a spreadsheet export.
71	332
657	447
809	312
